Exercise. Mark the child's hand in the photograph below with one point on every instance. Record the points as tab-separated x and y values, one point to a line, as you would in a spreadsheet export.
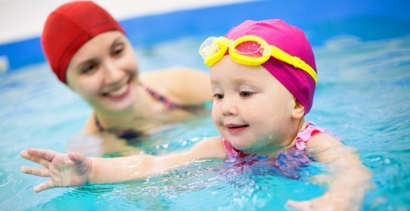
65	170
326	202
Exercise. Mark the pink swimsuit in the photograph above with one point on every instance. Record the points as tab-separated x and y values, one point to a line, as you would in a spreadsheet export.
286	161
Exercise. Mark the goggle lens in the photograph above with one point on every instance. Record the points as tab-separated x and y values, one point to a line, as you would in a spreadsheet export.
250	48
208	47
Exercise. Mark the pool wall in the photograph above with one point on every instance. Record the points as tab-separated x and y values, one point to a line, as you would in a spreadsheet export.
216	20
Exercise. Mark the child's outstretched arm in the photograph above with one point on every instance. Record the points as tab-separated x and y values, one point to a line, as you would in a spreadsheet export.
348	178
74	169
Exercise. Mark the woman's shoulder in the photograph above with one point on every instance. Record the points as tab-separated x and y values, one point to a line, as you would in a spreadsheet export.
184	86
173	76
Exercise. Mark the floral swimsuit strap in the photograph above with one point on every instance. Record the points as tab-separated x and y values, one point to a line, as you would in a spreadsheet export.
303	136
306	134
168	103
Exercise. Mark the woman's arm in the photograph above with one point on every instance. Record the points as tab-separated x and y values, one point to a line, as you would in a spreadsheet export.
347	179
75	169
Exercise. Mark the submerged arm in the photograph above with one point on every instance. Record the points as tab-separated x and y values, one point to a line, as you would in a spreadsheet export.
141	166
348	179
75	169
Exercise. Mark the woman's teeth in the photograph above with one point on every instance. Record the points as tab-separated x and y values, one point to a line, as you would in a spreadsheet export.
118	92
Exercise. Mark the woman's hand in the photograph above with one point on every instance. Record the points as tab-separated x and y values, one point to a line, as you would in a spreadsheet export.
64	170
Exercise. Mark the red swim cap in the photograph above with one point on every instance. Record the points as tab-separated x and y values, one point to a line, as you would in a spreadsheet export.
293	41
67	29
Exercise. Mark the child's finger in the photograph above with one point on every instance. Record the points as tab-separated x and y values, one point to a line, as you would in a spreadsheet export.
42	172
42	153
44	186
299	205
34	158
76	157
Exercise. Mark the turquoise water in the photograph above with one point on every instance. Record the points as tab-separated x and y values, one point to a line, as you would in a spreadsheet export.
362	97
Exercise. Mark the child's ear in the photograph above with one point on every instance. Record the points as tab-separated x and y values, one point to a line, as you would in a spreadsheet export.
298	110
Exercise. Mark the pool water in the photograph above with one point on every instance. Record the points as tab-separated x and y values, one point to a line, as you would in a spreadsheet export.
362	97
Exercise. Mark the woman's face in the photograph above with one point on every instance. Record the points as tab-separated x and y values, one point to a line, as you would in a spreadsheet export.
104	72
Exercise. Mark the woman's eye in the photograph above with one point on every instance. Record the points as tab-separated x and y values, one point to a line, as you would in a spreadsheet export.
218	96
89	67
246	94
118	50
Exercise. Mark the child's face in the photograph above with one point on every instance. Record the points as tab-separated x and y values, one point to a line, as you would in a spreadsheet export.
103	71
251	109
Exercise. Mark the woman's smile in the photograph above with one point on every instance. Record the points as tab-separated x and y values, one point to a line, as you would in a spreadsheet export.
119	93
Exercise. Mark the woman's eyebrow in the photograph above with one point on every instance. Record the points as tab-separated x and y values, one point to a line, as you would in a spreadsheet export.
116	41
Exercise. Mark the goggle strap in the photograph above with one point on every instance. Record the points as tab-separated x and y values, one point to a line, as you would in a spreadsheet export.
294	61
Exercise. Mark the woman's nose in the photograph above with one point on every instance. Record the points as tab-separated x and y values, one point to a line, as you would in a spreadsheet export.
112	72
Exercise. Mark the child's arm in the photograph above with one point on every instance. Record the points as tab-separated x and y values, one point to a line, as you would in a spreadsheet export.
75	169
348	177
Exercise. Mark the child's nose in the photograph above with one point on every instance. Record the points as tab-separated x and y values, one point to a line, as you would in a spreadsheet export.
229	107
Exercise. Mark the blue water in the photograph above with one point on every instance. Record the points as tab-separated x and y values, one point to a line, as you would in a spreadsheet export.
362	97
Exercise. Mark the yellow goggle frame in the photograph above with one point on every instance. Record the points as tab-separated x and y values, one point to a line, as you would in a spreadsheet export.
214	48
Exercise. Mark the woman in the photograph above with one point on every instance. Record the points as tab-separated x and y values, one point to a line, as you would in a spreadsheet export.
88	51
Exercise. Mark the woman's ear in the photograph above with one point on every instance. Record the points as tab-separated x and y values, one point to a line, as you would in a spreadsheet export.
298	110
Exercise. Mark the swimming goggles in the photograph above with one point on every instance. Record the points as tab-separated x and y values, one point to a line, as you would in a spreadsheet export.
249	50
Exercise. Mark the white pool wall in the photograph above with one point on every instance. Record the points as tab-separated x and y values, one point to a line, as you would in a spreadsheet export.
22	19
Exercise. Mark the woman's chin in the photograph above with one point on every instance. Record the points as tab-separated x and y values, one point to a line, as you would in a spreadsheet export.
117	106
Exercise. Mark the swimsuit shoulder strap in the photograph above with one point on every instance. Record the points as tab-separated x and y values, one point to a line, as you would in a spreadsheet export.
230	150
98	124
306	134
169	104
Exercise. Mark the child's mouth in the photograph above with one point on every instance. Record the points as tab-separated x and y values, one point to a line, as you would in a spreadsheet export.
233	129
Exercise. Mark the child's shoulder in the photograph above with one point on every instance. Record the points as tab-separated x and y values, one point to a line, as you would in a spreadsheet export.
321	142
209	148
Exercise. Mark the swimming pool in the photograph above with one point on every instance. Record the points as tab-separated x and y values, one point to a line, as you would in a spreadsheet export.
362	97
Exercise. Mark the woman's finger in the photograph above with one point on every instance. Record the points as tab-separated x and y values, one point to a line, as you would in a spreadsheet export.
38	171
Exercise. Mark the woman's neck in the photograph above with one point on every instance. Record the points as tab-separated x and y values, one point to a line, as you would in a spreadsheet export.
142	109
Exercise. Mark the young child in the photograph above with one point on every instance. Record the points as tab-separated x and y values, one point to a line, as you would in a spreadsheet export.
263	76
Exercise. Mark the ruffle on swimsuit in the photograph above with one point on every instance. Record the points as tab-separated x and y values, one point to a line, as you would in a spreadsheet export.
286	161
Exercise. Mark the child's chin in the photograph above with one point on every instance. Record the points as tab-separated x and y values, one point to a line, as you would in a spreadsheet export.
241	146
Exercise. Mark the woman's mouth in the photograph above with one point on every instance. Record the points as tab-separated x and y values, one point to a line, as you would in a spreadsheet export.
118	93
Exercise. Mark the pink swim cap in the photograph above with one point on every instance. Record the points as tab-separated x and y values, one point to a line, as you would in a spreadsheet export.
67	29
293	41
